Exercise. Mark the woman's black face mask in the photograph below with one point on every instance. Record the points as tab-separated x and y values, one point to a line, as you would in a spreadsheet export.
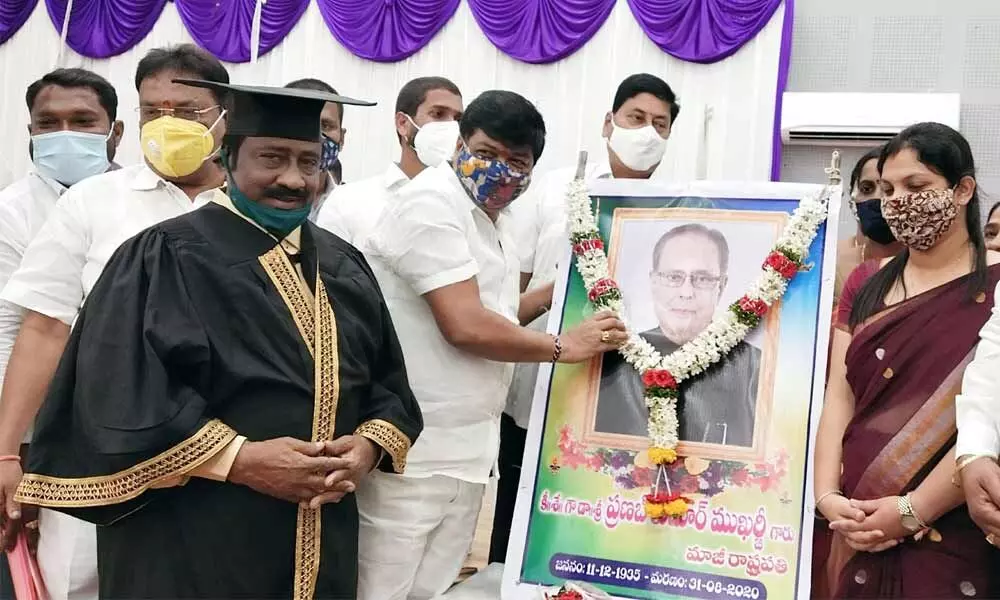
873	225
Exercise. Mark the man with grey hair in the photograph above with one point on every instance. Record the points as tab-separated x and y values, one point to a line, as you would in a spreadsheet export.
690	271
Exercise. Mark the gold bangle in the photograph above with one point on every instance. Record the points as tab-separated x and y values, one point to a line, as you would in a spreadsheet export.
964	461
824	497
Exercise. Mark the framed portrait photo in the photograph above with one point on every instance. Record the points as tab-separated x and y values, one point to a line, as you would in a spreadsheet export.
681	255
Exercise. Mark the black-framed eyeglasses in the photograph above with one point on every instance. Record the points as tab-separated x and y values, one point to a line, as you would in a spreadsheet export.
676	279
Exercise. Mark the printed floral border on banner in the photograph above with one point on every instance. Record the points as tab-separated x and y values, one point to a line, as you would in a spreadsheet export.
629	470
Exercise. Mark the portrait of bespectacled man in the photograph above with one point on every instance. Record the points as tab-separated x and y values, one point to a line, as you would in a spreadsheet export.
678	269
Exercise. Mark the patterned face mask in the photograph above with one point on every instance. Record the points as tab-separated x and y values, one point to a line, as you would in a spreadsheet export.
918	220
331	149
491	184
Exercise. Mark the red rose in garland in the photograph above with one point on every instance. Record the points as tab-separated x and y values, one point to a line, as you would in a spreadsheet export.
755	307
602	287
663	378
648	378
658	378
588	245
785	267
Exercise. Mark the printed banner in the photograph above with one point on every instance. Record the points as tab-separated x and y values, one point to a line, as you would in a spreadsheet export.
679	257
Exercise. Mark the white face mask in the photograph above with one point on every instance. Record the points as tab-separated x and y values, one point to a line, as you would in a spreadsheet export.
435	142
638	149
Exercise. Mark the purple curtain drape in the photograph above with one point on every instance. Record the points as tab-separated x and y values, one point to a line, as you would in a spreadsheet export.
784	63
105	28
532	31
13	14
223	26
386	30
540	31
702	31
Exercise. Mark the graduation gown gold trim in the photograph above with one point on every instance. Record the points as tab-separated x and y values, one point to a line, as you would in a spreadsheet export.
389	438
42	490
318	329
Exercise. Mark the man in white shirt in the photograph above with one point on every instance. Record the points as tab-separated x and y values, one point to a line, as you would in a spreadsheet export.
977	411
332	127
448	269
181	129
73	123
427	114
636	131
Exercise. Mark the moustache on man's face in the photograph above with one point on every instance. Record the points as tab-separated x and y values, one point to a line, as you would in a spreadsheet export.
285	194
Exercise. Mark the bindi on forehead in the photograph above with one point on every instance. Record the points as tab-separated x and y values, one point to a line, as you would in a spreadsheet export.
160	90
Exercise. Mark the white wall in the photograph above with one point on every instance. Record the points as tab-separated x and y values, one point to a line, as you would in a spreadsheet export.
573	94
901	46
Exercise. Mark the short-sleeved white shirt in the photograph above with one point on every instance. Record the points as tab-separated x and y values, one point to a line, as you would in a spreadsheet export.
542	239
433	236
353	209
63	262
24	207
539	219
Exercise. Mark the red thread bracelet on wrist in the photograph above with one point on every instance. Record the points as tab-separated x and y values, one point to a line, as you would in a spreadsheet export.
557	351
9	457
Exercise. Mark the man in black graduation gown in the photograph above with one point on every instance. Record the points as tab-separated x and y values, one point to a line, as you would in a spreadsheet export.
231	377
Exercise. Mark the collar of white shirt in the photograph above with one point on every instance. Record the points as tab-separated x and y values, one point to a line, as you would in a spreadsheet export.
322	198
57	187
146	179
601	167
393	177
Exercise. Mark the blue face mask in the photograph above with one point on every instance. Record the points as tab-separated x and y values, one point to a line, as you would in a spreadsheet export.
277	221
70	156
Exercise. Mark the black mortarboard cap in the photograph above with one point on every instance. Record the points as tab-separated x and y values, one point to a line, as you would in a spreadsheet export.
261	111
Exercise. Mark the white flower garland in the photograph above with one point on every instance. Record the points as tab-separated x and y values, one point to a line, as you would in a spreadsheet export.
723	334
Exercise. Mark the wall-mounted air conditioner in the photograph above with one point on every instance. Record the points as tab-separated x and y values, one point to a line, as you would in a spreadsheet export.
821	119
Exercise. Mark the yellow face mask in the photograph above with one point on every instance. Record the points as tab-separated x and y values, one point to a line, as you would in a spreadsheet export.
177	147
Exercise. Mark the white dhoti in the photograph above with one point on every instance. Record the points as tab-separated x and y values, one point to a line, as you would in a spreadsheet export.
67	556
415	534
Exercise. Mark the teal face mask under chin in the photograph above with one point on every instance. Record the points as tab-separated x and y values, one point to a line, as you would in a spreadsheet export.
277	221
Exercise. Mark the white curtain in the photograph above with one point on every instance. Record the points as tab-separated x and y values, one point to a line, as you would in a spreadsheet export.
723	133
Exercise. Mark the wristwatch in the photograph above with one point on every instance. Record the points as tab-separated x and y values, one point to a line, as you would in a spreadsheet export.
910	520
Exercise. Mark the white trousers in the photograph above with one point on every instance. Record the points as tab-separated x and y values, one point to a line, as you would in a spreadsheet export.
67	556
415	534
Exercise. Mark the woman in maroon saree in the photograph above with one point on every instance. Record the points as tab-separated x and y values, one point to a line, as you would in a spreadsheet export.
905	331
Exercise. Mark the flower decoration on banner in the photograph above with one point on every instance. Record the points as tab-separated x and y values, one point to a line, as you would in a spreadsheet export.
702	31
225	28
13	15
574	590
105	28
386	31
540	31
564	593
684	478
663	375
